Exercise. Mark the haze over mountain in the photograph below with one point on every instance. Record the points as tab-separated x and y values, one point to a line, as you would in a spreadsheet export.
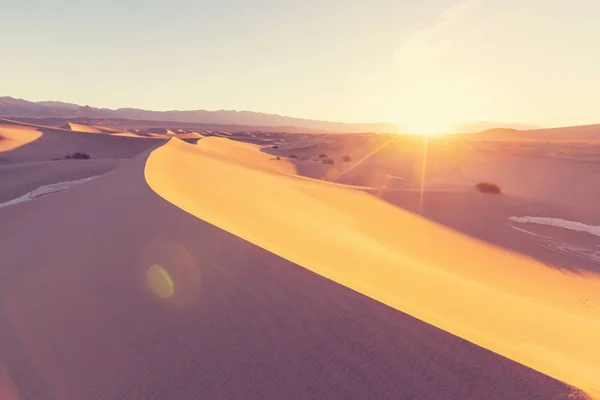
13	107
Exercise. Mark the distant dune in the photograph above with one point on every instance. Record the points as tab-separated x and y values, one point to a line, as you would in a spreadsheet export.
585	133
91	128
27	143
478	126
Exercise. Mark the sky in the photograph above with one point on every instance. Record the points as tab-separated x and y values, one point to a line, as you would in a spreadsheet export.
424	64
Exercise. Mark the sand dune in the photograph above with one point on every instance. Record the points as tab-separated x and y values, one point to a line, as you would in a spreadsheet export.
464	286
109	291
131	134
15	136
452	163
188	135
27	143
584	133
246	154
156	133
173	307
91	128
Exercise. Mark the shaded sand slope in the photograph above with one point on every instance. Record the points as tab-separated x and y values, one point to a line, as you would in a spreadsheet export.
487	217
445	163
225	319
512	305
21	178
23	143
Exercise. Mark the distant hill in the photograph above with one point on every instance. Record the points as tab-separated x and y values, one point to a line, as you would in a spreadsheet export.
11	107
480	126
583	133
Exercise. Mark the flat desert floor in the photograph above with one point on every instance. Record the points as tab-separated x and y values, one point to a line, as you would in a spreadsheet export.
181	263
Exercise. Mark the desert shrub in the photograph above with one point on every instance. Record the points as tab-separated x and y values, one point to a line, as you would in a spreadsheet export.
275	147
278	158
77	156
346	158
328	161
294	156
487	187
323	155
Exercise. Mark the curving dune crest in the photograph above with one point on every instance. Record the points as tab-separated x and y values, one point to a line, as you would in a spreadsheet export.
129	134
21	142
507	303
15	136
91	128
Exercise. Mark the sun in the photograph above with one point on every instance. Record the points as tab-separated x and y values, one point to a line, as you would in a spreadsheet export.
429	119
430	126
431	108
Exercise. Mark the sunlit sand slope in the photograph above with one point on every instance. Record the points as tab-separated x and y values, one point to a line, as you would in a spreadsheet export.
91	128
189	135
14	136
514	306
107	291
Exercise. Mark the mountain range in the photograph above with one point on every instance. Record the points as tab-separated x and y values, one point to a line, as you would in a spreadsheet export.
13	107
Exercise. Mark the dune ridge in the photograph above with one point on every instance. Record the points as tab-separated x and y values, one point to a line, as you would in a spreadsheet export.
229	320
451	281
91	128
21	143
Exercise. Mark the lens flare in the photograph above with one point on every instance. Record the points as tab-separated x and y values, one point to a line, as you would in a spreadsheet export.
369	155
159	281
423	173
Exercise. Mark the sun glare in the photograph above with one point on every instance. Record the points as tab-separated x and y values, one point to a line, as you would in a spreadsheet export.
432	108
429	127
431	118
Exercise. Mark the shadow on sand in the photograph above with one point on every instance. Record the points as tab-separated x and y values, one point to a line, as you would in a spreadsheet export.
481	216
486	217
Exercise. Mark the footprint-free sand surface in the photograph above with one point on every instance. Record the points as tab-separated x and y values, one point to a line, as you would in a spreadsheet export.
447	279
212	270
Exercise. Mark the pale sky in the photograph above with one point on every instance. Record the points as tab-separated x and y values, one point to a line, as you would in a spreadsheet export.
425	64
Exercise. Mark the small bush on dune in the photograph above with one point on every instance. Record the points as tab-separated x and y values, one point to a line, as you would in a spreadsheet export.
487	187
77	156
323	155
278	158
295	157
346	158
328	161
274	147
